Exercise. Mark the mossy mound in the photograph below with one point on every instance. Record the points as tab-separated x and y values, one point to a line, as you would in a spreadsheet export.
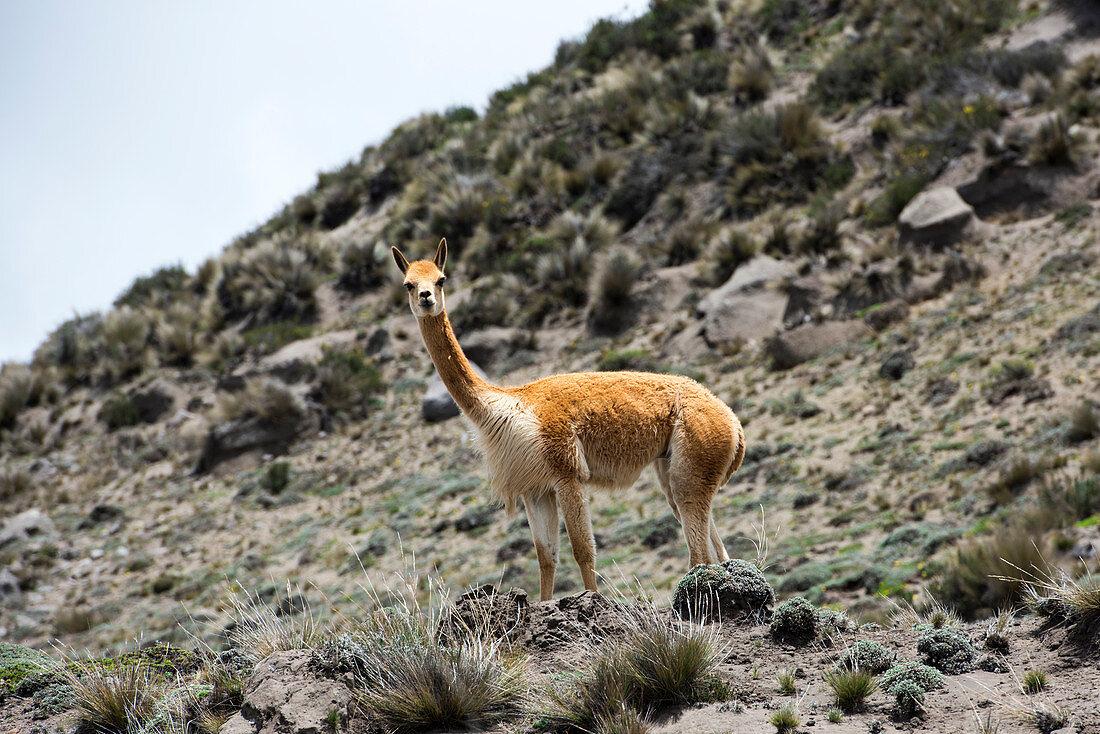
794	621
924	676
948	650
731	590
867	655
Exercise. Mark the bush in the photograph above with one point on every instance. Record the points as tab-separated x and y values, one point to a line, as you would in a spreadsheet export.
654	663
751	77
268	400
178	335
638	186
974	578
794	621
339	203
1083	423
276	476
728	250
731	590
610	306
867	655
632	360
20	387
908	698
14	480
123	344
158	289
361	266
271	283
851	687
900	190
1010	66
119	412
948	650
1054	144
925	677
345	381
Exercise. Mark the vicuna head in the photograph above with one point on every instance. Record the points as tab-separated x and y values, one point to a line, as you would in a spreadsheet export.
424	281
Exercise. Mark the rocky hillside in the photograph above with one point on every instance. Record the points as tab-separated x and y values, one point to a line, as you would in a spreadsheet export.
869	227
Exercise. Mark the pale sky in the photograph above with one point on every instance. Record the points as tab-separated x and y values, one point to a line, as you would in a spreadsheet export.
136	134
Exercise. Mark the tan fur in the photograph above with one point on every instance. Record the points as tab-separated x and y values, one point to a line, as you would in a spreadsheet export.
547	440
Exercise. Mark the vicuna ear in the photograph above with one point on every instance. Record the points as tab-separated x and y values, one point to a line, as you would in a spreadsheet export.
440	258
400	259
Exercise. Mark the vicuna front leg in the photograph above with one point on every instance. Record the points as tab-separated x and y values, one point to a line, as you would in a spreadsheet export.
542	517
574	510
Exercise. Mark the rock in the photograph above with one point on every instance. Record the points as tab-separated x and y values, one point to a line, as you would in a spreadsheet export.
489	346
378	344
887	314
155	401
896	365
662	531
878	283
808	298
753	275
26	525
1004	186
485	610
939	391
285	695
1033	390
748	306
437	404
663	290
935	217
100	514
10	592
252	437
810	341
294	360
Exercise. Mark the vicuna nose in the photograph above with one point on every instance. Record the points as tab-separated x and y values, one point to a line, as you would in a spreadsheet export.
425	294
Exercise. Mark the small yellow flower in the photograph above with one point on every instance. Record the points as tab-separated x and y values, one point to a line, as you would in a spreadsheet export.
969	109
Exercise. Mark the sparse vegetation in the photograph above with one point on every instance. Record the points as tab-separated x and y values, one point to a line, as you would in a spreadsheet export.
794	621
786	683
785	720
1034	681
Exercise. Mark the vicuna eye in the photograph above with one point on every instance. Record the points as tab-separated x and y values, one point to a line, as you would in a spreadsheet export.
409	287
439	282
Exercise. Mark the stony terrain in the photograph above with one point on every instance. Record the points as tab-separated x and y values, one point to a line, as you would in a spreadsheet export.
902	306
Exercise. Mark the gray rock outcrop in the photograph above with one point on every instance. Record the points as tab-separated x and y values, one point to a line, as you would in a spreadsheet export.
935	217
437	404
810	341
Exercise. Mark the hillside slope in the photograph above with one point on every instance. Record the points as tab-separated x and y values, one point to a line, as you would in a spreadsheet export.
713	189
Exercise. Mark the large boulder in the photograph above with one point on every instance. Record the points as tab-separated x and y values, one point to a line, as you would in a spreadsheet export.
294	360
810	341
749	306
936	217
437	404
284	695
808	298
248	438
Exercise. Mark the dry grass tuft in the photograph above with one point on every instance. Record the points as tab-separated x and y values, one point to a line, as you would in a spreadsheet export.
261	631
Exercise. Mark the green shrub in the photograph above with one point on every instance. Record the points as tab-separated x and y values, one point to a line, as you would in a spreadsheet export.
633	360
925	677
948	650
119	412
274	336
867	655
900	190
459	114
794	621
276	476
851	687
20	387
158	289
908	698
731	590
345	381
703	72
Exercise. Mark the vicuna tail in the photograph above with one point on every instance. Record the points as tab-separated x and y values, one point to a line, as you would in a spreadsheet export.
738	452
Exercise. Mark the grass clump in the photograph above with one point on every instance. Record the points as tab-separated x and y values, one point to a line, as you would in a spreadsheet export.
654	663
786	683
834	716
267	400
785	720
1074	603
1034	681
1083	423
609	302
14	480
948	650
851	687
980	575
1054	144
794	621
119	412
123	700
360	266
260	630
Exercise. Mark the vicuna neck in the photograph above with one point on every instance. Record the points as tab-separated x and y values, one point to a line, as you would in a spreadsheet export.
465	386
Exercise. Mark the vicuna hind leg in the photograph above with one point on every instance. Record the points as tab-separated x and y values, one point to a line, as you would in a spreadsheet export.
542	517
717	547
574	510
694	472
